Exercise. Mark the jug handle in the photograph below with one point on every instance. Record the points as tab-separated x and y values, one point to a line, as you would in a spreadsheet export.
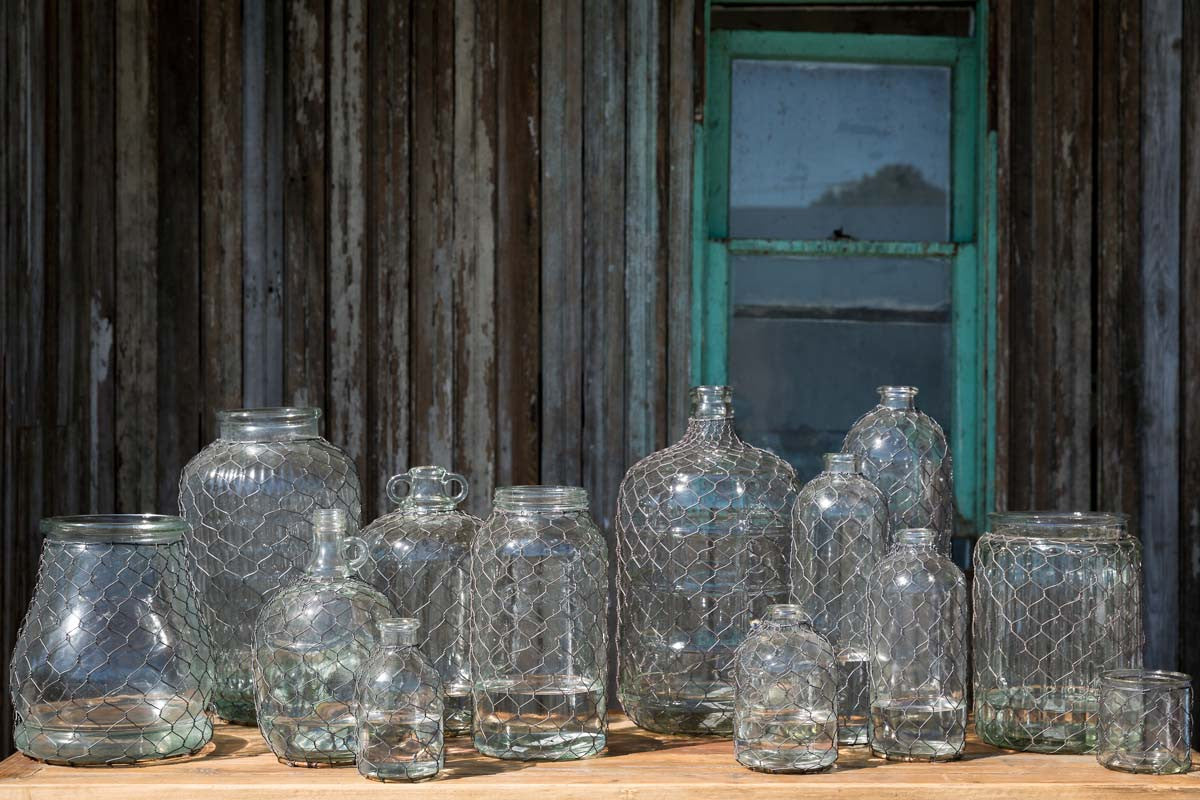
452	478
356	562
393	488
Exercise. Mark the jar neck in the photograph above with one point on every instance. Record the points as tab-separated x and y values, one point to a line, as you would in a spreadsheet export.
899	398
427	491
398	632
843	463
268	424
783	616
328	559
541	499
917	540
712	415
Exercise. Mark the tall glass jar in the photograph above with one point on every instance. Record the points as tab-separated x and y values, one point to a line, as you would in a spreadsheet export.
703	533
905	454
785	711
112	664
839	533
418	556
310	640
539	587
1057	601
918	636
248	496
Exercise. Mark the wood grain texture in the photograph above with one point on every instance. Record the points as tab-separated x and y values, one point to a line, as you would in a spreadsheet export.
682	70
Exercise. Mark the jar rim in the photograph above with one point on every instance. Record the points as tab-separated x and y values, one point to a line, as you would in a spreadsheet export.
273	420
1059	524
115	528
1147	680
541	498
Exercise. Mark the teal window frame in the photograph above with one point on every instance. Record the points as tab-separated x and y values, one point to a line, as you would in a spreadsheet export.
970	249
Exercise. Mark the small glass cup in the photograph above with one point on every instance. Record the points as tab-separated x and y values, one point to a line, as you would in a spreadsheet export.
1145	721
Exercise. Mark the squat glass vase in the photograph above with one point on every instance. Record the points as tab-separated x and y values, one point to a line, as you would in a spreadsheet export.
112	664
248	496
703	533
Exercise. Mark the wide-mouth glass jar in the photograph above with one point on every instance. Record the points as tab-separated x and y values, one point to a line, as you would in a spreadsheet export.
1145	721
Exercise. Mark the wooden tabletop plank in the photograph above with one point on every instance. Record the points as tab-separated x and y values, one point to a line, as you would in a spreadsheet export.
638	765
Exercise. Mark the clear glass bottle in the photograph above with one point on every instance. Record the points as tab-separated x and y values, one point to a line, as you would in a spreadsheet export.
418	556
112	664
399	707
1056	602
785	708
918	652
1145	721
539	588
247	496
839	534
703	533
310	640
905	454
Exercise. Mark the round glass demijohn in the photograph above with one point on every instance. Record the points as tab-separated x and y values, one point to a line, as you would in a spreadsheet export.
539	589
112	664
310	640
247	496
904	453
839	534
419	557
703	534
1056	602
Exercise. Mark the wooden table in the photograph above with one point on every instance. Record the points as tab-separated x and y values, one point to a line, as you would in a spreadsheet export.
637	766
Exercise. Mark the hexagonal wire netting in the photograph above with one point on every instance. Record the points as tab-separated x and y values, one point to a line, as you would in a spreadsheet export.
1145	721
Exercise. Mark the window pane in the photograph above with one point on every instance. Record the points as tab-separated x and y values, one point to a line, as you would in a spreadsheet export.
885	283
863	149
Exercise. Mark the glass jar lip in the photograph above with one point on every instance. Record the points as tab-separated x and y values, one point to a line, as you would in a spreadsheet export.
1059	524
399	624
785	614
279	419
541	498
1146	680
916	536
906	391
115	528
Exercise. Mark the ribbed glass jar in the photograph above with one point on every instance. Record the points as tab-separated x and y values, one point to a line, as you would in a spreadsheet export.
1057	601
112	664
418	556
905	454
785	707
703	535
539	589
918	652
247	496
1145	721
839	534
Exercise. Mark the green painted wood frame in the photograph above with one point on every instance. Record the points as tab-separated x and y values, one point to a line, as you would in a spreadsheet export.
972	241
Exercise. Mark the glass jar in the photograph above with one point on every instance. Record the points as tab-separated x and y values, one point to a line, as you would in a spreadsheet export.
418	556
399	708
918	652
112	664
310	640
539	587
839	533
905	454
1145	721
1057	601
785	708
703	534
247	496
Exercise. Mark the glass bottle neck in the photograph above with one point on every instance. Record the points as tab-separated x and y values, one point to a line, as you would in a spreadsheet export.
541	499
917	540
899	398
268	424
427	492
328	558
843	463
400	632
785	616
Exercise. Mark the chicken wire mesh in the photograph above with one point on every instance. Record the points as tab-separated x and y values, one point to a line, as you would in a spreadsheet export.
112	664
247	496
539	591
703	535
1145	721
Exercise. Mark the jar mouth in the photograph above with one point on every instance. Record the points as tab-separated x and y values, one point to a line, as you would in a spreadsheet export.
1145	679
400	624
898	391
1058	524
115	528
250	423
541	498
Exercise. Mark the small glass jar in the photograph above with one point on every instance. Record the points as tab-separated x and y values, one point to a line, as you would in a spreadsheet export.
399	708
1145	721
310	640
112	664
785	695
539	589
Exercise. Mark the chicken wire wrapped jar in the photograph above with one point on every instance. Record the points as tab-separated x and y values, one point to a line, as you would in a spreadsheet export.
905	454
539	588
703	534
418	556
1145	722
1057	601
310	640
918	652
399	708
112	664
785	707
247	496
839	533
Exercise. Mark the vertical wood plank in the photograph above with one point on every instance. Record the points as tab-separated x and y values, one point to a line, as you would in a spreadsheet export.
681	34
1000	99
561	241
1162	22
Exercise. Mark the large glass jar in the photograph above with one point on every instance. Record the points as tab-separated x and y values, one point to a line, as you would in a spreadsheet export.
539	588
418	557
310	640
703	534
248	496
112	664
918	636
905	454
839	533
1057	601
